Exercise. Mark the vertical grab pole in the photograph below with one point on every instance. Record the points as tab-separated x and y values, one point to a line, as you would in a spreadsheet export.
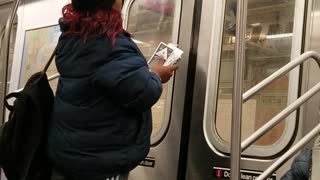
242	6
5	58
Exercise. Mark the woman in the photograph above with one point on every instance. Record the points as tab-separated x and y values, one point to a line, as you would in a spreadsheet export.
101	121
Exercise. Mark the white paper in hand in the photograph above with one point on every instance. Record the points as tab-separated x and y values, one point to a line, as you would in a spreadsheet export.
162	50
175	56
170	53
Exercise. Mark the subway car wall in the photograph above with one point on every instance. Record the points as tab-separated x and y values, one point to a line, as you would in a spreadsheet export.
277	31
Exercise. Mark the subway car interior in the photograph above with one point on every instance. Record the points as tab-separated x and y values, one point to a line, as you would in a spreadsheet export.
244	101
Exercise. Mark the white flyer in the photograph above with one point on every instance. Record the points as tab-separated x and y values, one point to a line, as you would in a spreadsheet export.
170	53
175	56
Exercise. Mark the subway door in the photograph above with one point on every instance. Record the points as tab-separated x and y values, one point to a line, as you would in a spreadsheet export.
151	22
274	37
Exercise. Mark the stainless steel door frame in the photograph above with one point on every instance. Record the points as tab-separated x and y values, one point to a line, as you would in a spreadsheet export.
203	156
166	153
199	154
214	141
310	73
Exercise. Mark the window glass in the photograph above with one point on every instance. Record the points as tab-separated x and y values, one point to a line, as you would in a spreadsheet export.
151	22
268	48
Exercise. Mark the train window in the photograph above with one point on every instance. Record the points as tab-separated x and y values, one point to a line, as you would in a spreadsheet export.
268	48
151	22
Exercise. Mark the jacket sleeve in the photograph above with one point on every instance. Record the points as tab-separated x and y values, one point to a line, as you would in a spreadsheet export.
300	168
127	80
287	176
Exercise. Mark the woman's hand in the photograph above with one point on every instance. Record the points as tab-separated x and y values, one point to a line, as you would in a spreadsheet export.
164	72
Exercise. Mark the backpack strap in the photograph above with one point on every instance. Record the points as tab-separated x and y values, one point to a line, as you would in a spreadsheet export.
9	96
315	173
17	94
50	60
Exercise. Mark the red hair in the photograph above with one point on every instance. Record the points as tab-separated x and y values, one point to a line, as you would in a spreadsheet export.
106	23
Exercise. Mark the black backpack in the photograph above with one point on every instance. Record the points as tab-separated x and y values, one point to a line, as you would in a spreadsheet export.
23	139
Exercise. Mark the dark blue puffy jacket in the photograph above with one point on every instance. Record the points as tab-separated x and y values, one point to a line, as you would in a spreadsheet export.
101	121
300	168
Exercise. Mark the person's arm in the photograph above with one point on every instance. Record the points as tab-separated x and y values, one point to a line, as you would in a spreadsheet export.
128	81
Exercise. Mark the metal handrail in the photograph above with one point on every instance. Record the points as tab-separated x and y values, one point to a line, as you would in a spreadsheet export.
5	57
53	77
2	32
50	78
284	70
287	111
290	153
279	117
284	113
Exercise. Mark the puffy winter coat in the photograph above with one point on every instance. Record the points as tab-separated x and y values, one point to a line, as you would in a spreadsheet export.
101	121
301	166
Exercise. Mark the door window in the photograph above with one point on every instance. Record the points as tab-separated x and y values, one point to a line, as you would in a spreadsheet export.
268	48
151	22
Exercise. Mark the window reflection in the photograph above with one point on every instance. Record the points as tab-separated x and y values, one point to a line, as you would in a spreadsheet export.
151	22
268	48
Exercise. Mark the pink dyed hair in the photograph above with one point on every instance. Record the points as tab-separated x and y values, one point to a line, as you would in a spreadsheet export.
106	23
